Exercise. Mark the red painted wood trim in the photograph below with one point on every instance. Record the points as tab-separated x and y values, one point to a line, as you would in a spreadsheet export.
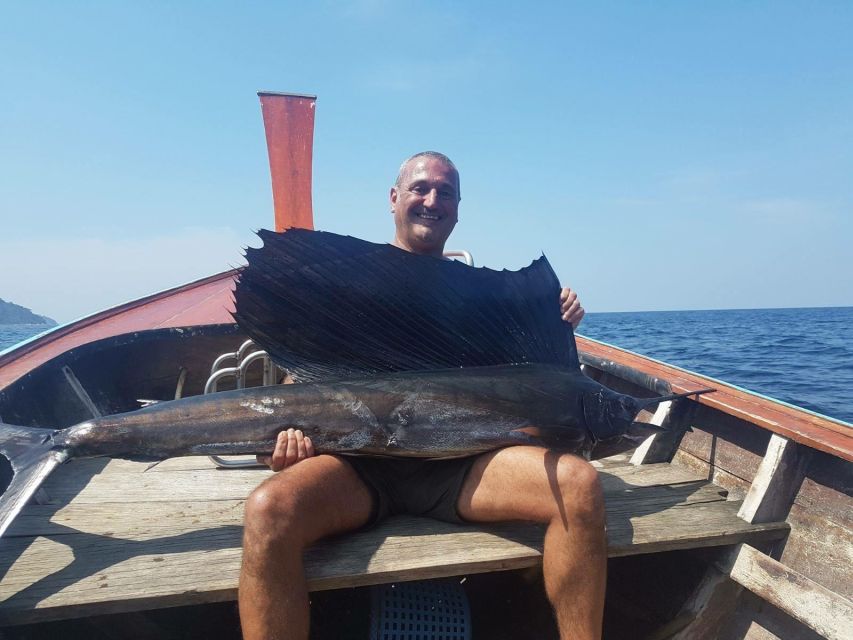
203	302
823	434
289	126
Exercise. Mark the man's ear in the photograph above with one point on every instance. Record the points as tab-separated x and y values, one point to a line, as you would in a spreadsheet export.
393	197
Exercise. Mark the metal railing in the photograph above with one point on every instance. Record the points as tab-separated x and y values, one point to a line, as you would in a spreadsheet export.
467	258
244	357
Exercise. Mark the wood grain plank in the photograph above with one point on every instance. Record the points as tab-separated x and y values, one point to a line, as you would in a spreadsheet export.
777	481
83	574
142	520
827	613
119	482
120	538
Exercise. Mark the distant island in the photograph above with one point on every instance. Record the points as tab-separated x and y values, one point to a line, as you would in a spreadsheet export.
11	313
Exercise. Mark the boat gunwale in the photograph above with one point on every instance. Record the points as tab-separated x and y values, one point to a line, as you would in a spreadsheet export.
813	430
45	339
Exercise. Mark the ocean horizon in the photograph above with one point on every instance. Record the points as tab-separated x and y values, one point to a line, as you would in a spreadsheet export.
799	355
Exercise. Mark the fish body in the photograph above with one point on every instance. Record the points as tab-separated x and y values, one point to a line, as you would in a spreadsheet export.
421	414
414	414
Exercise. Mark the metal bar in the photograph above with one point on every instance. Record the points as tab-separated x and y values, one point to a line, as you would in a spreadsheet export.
213	381
467	258
222	359
237	372
270	370
80	392
179	388
241	352
243	463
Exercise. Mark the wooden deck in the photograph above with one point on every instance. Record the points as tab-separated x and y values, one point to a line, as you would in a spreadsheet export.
113	537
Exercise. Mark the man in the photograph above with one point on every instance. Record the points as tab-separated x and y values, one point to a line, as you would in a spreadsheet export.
315	496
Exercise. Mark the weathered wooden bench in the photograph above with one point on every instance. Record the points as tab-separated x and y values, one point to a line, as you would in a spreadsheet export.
112	537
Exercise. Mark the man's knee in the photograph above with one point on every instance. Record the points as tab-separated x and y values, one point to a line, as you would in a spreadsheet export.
581	490
308	501
272	510
271	504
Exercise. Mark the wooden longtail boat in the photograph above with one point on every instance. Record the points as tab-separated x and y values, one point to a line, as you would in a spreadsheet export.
735	523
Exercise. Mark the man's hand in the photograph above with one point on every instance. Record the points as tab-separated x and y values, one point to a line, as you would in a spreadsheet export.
570	307
290	447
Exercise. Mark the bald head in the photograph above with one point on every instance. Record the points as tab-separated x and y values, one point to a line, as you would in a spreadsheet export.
435	155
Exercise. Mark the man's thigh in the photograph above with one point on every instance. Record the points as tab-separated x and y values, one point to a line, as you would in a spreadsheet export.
520	483
324	491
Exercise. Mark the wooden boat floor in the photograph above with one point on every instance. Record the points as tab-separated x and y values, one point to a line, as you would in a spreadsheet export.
113	537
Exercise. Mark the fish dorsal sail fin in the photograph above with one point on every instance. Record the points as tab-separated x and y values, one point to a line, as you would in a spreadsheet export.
324	305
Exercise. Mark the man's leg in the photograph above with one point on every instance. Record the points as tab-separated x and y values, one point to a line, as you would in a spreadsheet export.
528	483
317	497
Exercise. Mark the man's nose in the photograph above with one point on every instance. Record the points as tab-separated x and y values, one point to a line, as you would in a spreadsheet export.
431	199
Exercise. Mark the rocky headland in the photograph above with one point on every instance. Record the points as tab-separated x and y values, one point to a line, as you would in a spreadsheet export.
11	313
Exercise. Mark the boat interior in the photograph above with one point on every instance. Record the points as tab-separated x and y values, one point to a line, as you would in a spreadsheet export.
698	516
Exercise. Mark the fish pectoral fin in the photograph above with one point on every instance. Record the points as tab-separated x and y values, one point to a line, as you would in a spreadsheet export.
550	436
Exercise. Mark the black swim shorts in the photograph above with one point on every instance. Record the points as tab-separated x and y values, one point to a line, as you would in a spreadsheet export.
416	487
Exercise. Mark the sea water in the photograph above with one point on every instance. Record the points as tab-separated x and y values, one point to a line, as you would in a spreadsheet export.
11	334
800	356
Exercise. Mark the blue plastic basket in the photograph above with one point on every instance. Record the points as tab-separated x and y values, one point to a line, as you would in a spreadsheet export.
428	610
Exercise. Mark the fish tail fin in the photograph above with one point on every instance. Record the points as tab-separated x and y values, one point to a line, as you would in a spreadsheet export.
31	455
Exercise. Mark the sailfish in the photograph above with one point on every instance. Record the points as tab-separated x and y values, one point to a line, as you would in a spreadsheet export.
394	354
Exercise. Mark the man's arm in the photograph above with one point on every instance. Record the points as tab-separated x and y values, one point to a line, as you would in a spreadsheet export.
570	307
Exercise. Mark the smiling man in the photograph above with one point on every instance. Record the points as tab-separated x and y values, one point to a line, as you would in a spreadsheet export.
316	496
425	203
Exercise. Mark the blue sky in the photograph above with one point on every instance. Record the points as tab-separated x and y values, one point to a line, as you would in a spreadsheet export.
668	155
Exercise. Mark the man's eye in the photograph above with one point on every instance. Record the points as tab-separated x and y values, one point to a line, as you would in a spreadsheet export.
447	195
419	190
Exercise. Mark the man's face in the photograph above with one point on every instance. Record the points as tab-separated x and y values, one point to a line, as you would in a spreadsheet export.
425	206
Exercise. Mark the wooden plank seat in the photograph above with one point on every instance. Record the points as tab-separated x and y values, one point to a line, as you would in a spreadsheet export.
113	537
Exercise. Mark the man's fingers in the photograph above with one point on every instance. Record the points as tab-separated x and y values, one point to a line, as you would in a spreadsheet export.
570	307
574	316
291	455
566	301
301	452
291	446
576	319
277	460
570	310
